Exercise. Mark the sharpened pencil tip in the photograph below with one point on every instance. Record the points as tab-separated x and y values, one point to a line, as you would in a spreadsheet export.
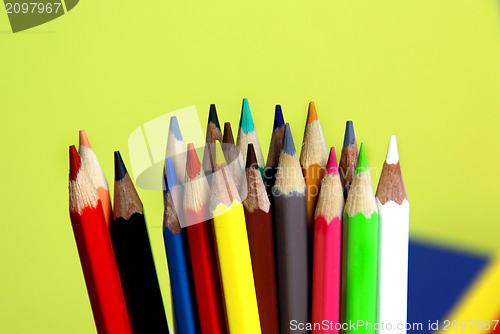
75	162
311	114
278	117
362	164
120	170
288	145
84	141
251	158
228	134
212	116
219	155
392	152
193	165
174	128
246	120
170	174
332	167
349	137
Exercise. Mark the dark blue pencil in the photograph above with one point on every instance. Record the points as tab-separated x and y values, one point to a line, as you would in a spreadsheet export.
178	260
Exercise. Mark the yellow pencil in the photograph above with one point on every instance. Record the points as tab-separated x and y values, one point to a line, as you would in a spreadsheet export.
234	253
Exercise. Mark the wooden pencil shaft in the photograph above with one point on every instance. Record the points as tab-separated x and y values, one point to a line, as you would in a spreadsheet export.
392	293
100	272
260	239
327	268
135	260
207	284
292	260
236	269
361	260
179	264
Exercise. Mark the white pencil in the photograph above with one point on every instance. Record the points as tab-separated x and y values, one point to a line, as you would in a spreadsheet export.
394	224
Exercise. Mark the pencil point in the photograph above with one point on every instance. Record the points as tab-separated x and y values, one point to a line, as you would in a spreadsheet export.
228	134
278	117
170	174
251	158
193	164
212	116
349	137
392	153
288	145
74	163
84	141
219	155
332	167
362	164
120	170
174	128
246	120
311	114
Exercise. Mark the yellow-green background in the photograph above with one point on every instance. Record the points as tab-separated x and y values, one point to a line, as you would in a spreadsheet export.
425	70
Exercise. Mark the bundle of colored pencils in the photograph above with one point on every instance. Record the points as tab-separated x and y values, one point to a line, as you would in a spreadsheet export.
299	244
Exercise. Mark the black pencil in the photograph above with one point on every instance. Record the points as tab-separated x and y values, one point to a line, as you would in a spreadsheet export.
134	256
213	133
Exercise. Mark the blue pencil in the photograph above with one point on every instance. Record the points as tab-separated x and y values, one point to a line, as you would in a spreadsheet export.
178	260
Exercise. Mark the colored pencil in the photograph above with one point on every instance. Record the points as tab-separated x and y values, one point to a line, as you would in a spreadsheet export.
260	239
213	133
290	220
234	159
202	247
394	220
327	250
274	149
176	150
248	135
360	228
96	251
134	256
234	253
179	263
313	158
91	164
348	158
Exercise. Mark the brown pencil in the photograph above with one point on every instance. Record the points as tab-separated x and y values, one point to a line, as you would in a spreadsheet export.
234	159
260	239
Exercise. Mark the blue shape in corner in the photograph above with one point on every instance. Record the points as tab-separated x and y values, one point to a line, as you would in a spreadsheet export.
437	278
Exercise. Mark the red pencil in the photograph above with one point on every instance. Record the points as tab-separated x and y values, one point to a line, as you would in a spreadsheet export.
202	248
327	250
96	252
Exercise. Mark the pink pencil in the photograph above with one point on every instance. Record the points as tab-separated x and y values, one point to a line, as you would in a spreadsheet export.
327	251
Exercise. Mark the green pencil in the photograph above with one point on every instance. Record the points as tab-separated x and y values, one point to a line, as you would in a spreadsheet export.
360	251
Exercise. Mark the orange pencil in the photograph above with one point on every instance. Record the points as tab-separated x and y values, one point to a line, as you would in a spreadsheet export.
89	161
313	158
